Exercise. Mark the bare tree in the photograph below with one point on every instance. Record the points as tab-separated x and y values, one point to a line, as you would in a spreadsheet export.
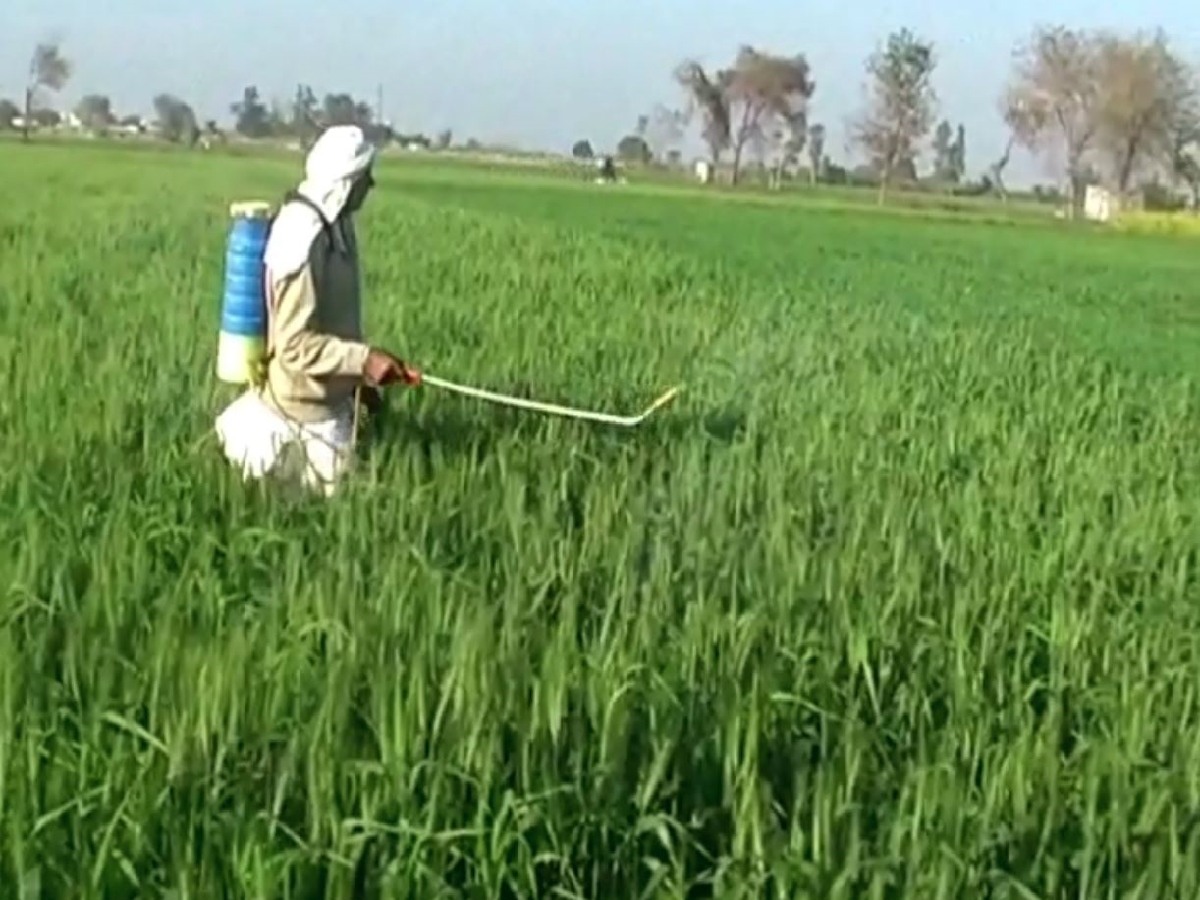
49	70
901	104
996	170
1186	169
1183	153
816	151
740	105
1143	83
706	98
1052	100
765	93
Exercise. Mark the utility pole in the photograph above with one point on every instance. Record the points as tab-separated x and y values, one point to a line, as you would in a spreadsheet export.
379	105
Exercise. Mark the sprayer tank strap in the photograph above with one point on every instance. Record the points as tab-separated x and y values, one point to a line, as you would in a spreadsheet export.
297	197
328	245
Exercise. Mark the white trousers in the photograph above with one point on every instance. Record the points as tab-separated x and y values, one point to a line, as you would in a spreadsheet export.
260	442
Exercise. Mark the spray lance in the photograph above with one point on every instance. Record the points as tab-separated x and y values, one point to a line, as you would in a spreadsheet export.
242	338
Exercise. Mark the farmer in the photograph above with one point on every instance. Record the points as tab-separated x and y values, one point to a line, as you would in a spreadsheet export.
316	357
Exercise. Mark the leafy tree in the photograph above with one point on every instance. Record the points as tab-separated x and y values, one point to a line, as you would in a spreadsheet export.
252	117
305	121
343	109
900	105
381	135
444	139
664	129
176	120
633	148
832	173
816	151
46	118
943	137
279	116
95	113
49	70
784	141
958	155
582	149
949	153
9	112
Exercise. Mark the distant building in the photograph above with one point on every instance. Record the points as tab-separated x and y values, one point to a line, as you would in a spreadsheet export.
130	125
1100	204
41	118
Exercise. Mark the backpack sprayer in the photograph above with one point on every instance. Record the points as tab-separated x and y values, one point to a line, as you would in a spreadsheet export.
242	339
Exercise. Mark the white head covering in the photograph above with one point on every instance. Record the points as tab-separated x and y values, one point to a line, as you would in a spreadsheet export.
340	155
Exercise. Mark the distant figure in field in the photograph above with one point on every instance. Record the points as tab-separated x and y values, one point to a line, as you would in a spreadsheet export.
316	357
606	170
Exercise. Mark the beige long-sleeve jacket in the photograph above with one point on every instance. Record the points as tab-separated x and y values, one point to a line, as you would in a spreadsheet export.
315	336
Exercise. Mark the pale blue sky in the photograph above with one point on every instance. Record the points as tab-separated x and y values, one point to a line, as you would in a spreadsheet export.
537	72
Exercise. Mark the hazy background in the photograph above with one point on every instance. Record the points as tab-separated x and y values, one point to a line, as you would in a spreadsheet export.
537	73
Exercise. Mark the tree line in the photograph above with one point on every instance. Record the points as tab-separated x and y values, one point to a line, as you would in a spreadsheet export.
1094	105
302	119
757	110
306	115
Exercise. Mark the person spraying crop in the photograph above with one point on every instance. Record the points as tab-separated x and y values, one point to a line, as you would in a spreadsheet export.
303	389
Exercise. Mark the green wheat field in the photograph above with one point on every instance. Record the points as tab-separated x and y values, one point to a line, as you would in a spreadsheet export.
899	600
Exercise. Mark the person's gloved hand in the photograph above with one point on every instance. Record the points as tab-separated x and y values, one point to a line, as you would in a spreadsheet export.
382	368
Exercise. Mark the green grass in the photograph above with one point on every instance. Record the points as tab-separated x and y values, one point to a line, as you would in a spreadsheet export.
899	600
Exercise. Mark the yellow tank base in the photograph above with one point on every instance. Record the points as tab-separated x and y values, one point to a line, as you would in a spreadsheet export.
250	209
240	360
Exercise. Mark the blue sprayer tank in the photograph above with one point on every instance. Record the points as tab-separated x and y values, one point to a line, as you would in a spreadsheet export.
242	342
